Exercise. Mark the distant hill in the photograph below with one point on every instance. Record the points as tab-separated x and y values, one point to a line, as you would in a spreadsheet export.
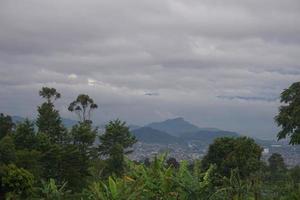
169	131
150	135
207	135
180	130
17	119
133	127
68	123
174	127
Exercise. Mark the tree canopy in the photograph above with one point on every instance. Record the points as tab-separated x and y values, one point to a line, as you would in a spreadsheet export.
114	143
50	94
230	153
288	117
6	125
83	106
49	120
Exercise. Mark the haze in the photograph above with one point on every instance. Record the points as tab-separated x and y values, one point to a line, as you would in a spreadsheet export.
219	64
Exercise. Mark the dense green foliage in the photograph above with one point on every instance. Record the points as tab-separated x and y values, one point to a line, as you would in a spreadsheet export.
6	125
114	144
49	121
229	153
17	182
51	162
289	114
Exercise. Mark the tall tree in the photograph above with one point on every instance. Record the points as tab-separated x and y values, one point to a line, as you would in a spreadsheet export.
277	168
276	163
115	143
7	150
25	137
6	125
83	106
49	120
83	134
231	153
288	117
50	94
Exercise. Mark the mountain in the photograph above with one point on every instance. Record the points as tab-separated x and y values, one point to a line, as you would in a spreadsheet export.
150	135
174	127
68	123
133	127
17	119
186	131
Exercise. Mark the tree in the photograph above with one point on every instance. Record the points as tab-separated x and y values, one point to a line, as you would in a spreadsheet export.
66	163
29	159
276	163
49	120
172	162
277	168
50	94
6	125
288	117
227	153
7	150
25	137
43	142
114	143
83	106
83	134
295	175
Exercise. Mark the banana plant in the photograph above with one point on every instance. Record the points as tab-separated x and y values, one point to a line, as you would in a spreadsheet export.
51	191
114	189
234	188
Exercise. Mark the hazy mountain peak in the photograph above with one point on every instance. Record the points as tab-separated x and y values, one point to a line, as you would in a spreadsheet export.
176	119
175	126
150	135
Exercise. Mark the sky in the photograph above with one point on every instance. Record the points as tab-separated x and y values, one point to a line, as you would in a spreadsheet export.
216	63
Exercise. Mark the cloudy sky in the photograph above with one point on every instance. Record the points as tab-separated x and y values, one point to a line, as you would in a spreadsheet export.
216	63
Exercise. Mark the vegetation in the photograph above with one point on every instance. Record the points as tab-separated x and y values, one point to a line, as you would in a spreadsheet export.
44	160
114	144
242	153
289	114
83	106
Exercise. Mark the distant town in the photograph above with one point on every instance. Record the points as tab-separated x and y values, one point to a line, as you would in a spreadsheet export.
291	154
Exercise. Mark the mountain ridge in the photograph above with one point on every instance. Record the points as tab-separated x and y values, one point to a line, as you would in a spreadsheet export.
150	135
174	127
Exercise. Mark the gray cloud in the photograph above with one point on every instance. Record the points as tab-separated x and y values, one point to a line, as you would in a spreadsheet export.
189	52
268	99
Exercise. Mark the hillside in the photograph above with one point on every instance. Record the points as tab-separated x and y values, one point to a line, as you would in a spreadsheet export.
150	135
207	135
174	127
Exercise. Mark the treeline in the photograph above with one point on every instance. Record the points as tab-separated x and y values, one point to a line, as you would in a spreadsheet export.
44	160
37	157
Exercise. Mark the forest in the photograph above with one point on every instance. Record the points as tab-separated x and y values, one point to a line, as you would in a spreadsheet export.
42	159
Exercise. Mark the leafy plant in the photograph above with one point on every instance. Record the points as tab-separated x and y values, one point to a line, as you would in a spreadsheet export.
51	191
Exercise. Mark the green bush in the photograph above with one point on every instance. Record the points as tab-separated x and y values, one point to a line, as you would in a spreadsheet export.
17	181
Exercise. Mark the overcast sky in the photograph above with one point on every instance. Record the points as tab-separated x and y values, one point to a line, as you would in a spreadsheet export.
216	63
